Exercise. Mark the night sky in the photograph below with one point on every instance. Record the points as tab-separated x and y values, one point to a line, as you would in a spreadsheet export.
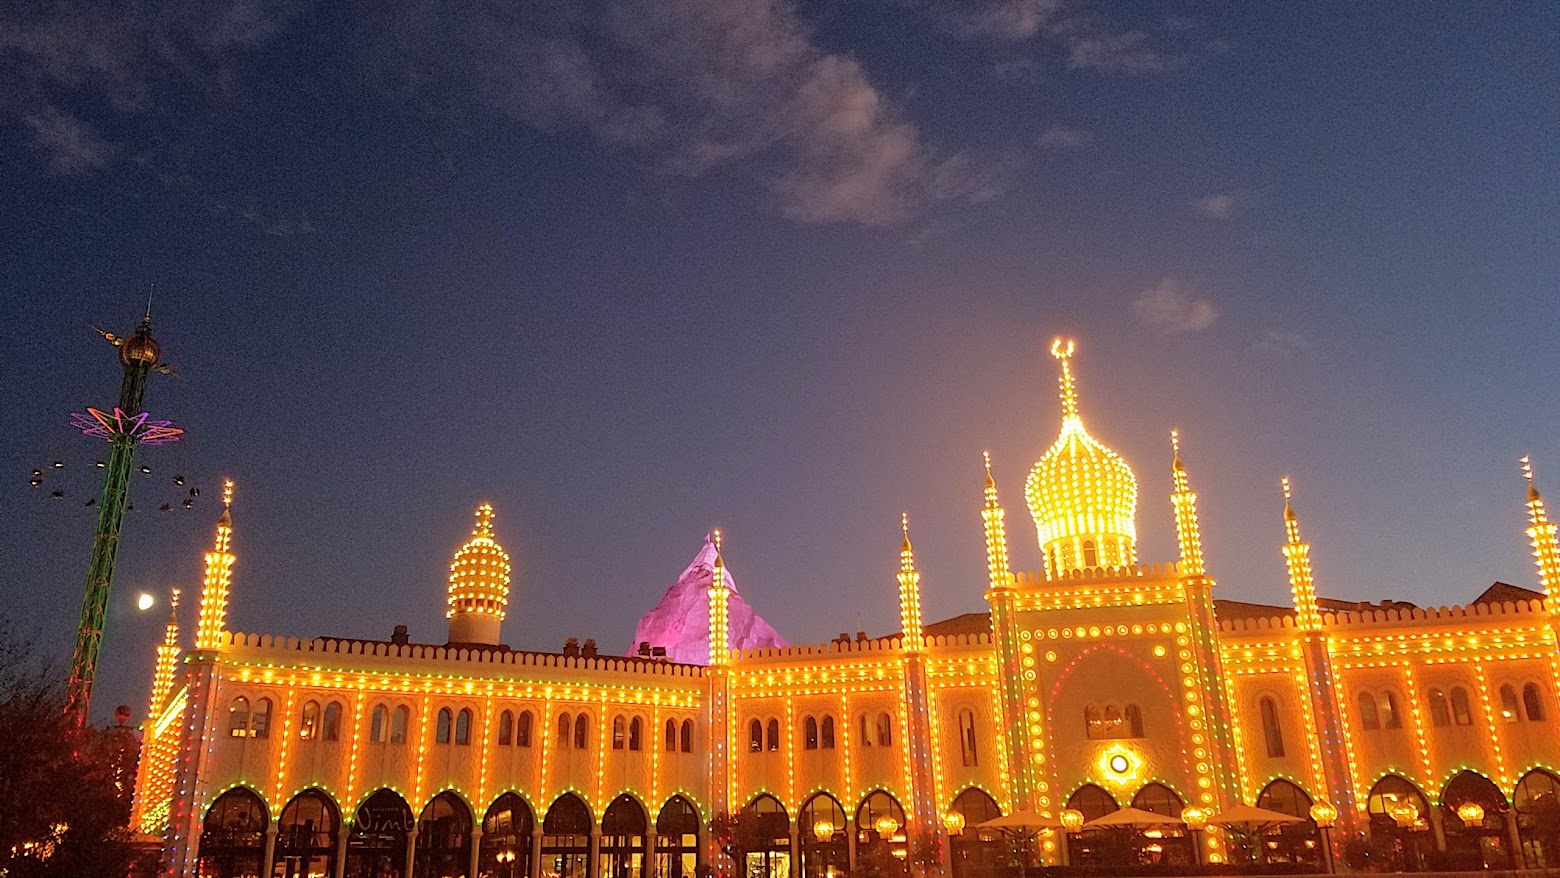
630	269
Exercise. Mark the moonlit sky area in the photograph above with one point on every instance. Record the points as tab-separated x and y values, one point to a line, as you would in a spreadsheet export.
631	269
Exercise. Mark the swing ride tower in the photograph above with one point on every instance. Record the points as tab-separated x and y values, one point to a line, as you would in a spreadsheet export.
126	427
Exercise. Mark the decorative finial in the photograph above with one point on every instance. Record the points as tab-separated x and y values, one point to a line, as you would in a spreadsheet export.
1175	441
146	319
227	493
484	521
991	483
1285	482
904	527
715	535
1062	349
173	598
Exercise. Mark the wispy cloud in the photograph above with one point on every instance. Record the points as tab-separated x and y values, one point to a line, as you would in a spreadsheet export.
69	145
1113	52
1172	307
1282	343
1086	40
1221	206
1061	137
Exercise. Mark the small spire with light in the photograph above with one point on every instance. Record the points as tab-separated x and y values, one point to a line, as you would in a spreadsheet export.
1000	575
1297	555
212	622
1062	349
720	618
1184	501
1546	554
167	659
912	638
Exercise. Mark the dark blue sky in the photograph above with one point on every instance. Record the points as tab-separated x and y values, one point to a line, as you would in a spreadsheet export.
629	269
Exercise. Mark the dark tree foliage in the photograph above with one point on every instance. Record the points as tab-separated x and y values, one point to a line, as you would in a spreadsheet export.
63	791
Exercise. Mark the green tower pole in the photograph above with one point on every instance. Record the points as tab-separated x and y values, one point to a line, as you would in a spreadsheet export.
124	429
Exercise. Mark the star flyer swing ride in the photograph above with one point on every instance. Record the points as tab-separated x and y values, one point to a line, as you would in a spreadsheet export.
126	427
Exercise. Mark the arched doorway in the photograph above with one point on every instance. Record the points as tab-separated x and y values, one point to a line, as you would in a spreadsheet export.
881	836
233	835
376	847
761	842
1479	841
1404	841
824	837
505	850
1537	803
1111	847
566	838
971	854
306	837
677	839
623	828
1293	842
1170	845
443	838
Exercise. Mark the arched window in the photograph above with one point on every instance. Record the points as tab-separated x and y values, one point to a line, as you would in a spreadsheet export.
260	719
826	734
619	732
307	834
581	732
1134	721
866	731
238	718
463	726
1391	717
687	736
379	724
755	736
1510	710
774	734
1093	801
233	836
441	733
1093	722
1272	735
309	725
1462	714
399	721
1369	718
331	730
810	733
636	730
565	730
506	728
671	736
885	731
1440	713
1533	702
505	849
443	837
523	729
1091	557
967	755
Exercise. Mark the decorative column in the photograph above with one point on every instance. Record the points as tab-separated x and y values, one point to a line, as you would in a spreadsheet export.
476	848
924	820
648	868
720	721
594	862
268	855
343	838
535	868
411	853
1004	635
796	849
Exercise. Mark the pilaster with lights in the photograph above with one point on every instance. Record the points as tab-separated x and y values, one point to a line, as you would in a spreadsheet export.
923	814
718	677
1016	712
1321	679
167	659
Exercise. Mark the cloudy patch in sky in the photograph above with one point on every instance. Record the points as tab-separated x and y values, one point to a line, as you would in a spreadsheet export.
1217	206
1172	307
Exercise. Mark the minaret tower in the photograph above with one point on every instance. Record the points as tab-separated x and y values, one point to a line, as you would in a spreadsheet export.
1546	554
1004	632
722	779
1334	743
999	573
1184	500
918	738
167	659
909	578
479	585
125	428
212	622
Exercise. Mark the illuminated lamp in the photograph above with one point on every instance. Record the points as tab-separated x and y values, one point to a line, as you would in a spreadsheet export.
955	822
1404	813
823	830
1470	813
886	826
1196	818
1072	819
1121	764
1325	813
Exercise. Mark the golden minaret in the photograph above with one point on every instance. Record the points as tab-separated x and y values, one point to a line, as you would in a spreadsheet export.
167	658
996	533
212	621
720	620
1297	554
1187	533
1546	554
912	638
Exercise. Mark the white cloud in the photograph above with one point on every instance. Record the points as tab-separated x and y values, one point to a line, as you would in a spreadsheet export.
1002	19
1061	137
1114	52
69	145
1172	307
1217	206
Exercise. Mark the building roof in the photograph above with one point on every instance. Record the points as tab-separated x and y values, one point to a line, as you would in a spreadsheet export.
1502	592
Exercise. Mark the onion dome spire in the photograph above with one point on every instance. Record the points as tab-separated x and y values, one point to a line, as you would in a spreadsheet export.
912	637
212	621
1297	555
720	611
479	585
1082	495
1187	533
1546	554
992	515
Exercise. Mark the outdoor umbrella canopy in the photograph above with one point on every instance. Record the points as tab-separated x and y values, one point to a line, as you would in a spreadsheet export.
1020	820
1243	815
1133	817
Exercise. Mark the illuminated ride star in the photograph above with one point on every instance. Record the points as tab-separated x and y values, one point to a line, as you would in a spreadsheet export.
139	355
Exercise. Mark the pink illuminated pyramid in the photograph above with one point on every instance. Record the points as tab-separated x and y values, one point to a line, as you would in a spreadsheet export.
680	621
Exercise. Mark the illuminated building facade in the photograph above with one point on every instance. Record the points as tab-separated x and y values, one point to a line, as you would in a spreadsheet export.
1090	685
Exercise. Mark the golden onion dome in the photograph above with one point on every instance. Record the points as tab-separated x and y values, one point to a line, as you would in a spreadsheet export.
479	575
1081	494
